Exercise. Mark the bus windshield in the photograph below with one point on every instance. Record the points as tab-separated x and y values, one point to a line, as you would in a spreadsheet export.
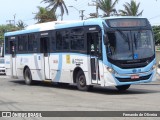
130	45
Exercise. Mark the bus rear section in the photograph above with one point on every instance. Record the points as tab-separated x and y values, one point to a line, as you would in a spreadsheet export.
10	56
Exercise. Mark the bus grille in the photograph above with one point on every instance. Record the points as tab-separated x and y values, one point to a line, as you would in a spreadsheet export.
132	80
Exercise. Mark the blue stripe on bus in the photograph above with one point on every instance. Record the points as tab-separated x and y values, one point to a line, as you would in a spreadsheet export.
21	32
58	75
59	71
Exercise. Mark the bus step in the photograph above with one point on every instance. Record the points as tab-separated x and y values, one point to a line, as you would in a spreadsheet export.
47	81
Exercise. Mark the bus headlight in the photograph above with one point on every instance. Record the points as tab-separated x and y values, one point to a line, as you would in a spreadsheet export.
110	70
153	67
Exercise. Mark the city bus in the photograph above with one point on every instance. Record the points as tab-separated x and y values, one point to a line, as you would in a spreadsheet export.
112	51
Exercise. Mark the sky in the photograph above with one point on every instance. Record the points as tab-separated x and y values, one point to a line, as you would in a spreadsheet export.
25	10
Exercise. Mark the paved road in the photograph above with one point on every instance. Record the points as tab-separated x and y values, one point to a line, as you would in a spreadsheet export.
16	96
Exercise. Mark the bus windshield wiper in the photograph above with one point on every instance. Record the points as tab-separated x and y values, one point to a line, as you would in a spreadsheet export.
124	37
137	38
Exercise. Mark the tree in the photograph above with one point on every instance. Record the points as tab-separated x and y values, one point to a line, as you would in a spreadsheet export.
55	4
131	9
45	15
4	29
21	25
156	31
108	6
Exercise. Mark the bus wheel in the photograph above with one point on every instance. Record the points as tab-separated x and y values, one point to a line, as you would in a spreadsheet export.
122	87
81	82
28	76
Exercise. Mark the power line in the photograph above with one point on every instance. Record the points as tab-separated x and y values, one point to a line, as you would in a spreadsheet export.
95	4
10	21
154	17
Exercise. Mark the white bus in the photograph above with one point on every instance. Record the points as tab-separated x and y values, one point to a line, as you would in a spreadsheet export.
114	51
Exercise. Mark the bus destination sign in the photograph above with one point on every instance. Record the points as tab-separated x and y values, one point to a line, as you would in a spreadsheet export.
127	22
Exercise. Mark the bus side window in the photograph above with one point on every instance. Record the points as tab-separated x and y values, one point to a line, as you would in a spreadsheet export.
59	38
32	43
77	39
12	48
53	42
22	43
6	45
66	40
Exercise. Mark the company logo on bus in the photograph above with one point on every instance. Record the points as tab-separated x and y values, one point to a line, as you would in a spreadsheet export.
136	70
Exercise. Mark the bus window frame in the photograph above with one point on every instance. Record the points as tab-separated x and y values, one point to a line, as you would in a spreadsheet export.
84	51
99	30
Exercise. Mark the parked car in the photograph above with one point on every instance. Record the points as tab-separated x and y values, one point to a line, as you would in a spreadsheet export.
2	66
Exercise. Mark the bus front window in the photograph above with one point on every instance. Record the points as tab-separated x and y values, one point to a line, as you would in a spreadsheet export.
143	44
130	45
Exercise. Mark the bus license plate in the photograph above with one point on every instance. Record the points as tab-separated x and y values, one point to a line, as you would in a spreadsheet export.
134	76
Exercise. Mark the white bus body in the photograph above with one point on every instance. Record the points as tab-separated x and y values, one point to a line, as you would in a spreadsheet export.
71	52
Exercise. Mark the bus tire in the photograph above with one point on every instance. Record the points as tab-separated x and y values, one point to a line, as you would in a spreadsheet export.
122	87
81	81
28	76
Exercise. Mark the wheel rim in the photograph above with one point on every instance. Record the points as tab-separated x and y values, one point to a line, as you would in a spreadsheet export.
82	81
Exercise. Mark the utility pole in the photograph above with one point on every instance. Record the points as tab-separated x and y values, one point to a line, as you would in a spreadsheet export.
97	5
82	14
12	22
14	19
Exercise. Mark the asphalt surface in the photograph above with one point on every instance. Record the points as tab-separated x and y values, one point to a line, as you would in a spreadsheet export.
16	96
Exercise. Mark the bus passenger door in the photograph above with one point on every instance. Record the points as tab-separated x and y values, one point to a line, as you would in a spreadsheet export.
93	51
12	49
44	48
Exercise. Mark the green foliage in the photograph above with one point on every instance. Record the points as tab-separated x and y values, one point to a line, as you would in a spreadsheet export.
131	9
108	7
55	4
156	31
45	15
21	25
6	28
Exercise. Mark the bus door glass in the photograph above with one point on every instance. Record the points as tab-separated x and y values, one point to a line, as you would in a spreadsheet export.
93	50
44	48
12	49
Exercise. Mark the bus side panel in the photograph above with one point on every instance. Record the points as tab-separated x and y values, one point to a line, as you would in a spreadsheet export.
88	74
59	70
66	69
69	62
101	73
54	67
63	65
37	67
8	64
109	79
81	61
34	62
20	65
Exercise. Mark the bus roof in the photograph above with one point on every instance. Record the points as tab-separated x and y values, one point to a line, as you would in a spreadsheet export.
62	24
39	27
